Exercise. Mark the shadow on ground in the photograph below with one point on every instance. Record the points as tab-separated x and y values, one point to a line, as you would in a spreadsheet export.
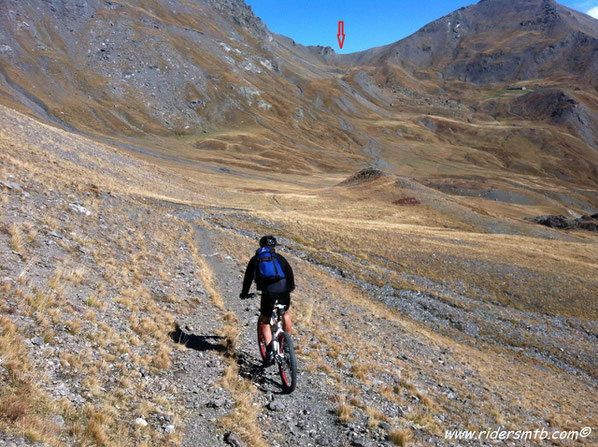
249	368
255	371
198	342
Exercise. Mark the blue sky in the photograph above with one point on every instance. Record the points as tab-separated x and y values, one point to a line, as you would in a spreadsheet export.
367	23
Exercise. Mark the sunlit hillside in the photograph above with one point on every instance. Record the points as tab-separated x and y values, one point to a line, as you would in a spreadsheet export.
145	146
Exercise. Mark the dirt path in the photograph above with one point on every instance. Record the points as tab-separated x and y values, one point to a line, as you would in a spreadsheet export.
305	417
199	368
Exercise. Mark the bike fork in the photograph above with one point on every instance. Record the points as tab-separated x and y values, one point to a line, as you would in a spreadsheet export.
278	358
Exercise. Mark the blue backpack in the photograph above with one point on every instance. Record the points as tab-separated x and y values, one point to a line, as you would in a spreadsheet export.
268	268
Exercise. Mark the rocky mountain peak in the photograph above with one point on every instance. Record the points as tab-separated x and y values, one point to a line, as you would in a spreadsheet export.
243	15
547	16
536	37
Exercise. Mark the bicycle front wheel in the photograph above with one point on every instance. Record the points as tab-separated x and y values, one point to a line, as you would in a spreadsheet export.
288	364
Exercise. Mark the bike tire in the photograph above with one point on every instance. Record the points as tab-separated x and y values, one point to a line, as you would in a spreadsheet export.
288	368
260	340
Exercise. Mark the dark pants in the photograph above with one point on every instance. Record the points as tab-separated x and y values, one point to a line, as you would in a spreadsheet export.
269	299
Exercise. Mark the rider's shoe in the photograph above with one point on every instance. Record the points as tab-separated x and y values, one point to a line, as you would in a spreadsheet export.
269	360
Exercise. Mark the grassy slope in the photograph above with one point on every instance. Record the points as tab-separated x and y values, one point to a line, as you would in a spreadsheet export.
108	263
102	290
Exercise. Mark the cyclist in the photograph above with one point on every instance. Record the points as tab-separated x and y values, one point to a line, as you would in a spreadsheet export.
274	288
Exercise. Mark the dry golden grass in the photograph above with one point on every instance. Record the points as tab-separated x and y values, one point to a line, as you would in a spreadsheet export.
74	326
162	357
95	429
6	286
24	408
125	301
75	275
360	370
56	281
242	420
15	407
405	384
401	438
357	403
14	354
16	239
375	417
92	301
344	412
42	300
231	332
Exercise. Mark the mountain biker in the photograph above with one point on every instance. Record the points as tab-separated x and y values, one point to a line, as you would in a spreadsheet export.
273	289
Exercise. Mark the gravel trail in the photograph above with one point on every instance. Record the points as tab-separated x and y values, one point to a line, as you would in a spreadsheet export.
305	417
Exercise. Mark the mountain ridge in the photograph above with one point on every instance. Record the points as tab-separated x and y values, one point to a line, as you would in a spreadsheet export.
560	27
208	81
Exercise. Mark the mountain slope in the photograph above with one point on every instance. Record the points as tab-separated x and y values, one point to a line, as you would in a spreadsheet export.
161	68
205	85
404	328
500	41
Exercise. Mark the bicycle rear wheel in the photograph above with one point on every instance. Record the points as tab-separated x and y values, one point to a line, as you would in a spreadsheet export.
288	364
260	340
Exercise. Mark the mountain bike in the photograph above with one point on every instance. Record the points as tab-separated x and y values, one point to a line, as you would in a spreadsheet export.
284	352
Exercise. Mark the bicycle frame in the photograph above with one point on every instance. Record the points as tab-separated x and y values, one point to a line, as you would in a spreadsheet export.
276	328
282	347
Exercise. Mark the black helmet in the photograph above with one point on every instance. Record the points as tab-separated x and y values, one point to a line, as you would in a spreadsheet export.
268	241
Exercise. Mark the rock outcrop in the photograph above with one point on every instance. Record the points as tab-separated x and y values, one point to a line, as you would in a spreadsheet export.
589	223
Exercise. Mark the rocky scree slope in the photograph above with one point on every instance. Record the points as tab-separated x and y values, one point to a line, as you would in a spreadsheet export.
171	68
92	280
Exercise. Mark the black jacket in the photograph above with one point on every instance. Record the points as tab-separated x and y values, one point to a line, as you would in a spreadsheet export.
282	287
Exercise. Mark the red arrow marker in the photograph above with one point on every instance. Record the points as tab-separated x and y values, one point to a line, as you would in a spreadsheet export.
341	33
